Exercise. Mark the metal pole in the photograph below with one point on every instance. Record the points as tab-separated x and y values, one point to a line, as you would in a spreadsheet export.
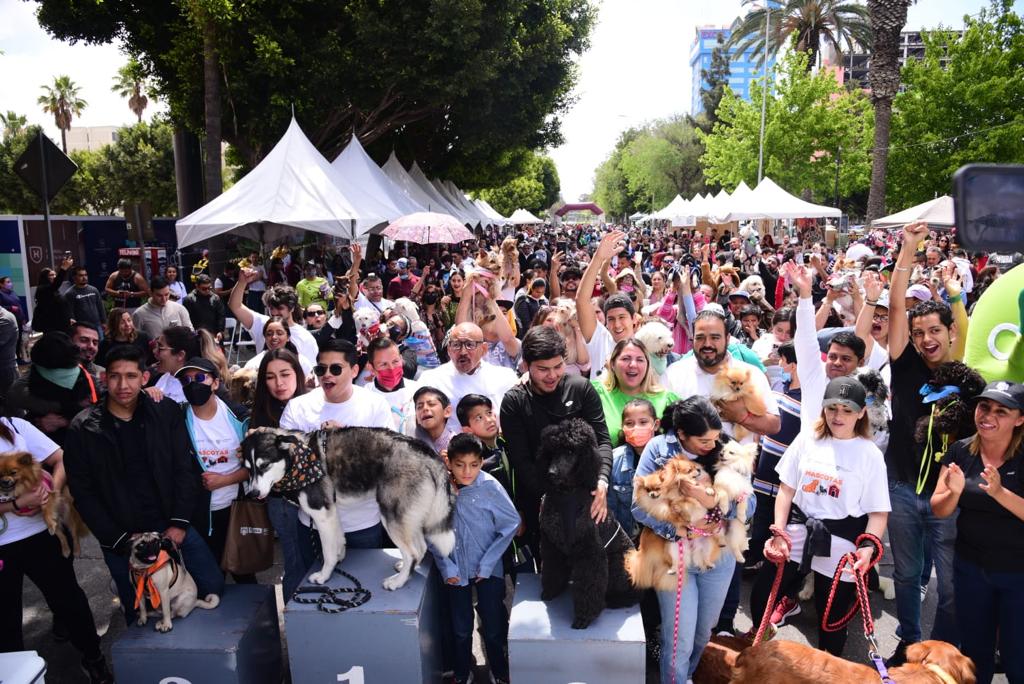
839	152
46	200
137	215
764	91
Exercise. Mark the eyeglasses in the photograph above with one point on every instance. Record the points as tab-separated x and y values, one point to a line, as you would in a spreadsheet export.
468	345
198	377
334	369
881	317
310	314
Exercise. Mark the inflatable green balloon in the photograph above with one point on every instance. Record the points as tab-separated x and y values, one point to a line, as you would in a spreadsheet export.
995	346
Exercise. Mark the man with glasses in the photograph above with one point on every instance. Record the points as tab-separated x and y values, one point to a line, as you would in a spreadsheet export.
467	372
338	402
205	307
371	294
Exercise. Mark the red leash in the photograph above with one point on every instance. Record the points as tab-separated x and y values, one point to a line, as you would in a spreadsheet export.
780	564
680	575
861	586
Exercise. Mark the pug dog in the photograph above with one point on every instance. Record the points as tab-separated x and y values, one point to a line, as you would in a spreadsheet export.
164	582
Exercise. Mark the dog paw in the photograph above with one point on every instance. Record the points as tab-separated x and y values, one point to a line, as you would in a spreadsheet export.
396	581
164	626
581	622
141	622
399	565
320	577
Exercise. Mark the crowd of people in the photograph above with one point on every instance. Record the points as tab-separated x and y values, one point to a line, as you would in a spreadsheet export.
137	398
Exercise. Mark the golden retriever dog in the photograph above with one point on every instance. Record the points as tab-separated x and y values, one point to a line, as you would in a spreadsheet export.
734	382
928	662
20	473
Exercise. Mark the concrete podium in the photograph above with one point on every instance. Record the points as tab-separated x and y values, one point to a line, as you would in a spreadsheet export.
22	667
393	637
543	648
238	641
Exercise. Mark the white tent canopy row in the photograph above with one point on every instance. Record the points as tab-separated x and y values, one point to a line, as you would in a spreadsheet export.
766	201
294	188
936	212
522	217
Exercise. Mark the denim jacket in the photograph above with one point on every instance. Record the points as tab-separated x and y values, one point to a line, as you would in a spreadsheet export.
620	490
485	522
656	454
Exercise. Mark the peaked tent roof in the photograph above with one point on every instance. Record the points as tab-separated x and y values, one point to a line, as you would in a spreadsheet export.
452	198
443	205
491	211
293	188
394	170
936	212
355	168
463	199
522	216
769	201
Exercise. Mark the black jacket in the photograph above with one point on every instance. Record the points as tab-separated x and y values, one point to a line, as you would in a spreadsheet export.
95	469
207	313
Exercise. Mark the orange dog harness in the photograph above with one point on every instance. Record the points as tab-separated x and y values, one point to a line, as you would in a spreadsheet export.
144	586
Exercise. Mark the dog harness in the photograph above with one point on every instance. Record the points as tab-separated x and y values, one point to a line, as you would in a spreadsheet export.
932	452
305	470
144	585
47	483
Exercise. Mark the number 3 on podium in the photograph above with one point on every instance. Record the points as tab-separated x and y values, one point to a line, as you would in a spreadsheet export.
353	676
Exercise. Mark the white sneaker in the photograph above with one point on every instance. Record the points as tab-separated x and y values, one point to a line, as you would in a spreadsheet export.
924	592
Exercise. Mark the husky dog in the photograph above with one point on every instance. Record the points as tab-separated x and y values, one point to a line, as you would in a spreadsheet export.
411	486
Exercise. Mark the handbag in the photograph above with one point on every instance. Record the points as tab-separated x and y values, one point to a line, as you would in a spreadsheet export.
249	546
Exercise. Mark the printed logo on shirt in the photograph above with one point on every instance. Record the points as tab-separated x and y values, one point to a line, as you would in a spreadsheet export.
822	484
211	457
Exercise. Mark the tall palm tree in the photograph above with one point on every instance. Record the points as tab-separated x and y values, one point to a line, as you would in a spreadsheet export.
62	100
12	123
836	22
888	17
130	82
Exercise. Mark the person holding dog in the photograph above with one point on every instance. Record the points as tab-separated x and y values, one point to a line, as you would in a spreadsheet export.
832	489
130	469
280	300
982	478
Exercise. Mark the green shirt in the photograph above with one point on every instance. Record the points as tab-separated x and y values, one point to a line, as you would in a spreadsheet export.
309	292
613	401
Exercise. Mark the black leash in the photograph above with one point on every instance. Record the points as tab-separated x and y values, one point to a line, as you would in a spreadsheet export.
329	600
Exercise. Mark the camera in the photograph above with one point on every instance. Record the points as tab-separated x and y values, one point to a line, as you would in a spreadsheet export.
988	205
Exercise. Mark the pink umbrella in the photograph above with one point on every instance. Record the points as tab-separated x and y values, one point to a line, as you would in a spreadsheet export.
426	227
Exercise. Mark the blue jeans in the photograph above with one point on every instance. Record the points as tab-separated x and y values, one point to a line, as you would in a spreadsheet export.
911	525
699	607
284	516
490	604
309	541
990	606
199	562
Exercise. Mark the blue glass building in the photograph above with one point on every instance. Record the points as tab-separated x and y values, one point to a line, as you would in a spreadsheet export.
743	67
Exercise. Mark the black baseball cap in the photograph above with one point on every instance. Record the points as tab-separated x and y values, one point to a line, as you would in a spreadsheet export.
200	364
846	391
1009	394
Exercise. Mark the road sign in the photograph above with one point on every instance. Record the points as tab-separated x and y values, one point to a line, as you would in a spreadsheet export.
42	154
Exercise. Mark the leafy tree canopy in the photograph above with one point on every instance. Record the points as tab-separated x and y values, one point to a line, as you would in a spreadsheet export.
809	118
466	87
535	190
970	111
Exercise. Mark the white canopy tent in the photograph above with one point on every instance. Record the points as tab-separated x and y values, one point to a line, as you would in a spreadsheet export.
491	211
394	170
355	168
441	205
521	217
716	207
677	212
936	212
454	196
294	188
769	201
463	200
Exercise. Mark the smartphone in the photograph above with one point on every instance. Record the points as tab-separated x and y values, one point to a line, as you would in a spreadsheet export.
988	206
561	246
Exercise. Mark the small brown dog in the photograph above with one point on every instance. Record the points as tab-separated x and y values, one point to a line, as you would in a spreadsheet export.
928	662
734	382
20	474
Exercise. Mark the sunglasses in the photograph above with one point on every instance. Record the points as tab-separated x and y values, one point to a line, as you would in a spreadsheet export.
198	377
334	369
310	314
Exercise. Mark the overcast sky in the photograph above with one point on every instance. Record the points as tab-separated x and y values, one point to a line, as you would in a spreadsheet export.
637	69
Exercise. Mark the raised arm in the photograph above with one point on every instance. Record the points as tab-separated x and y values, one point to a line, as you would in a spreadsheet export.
865	319
607	282
952	281
241	312
353	273
554	286
899	327
610	245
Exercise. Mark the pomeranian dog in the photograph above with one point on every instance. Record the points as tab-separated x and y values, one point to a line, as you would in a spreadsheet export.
734	382
733	482
20	474
653	565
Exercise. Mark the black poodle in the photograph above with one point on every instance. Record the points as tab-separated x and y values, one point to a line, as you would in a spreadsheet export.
952	412
572	546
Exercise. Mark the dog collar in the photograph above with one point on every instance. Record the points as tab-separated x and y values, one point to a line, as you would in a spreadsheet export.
940	673
304	470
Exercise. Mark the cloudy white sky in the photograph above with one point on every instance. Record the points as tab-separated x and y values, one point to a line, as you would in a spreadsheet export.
637	69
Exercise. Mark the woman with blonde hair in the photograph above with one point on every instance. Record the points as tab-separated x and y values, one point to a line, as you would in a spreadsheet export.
628	375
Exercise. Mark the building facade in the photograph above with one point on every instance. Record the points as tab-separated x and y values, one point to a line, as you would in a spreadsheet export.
857	63
91	138
743	67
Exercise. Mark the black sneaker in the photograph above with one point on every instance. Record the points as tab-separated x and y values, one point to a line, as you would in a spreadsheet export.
899	656
97	671
60	632
724	629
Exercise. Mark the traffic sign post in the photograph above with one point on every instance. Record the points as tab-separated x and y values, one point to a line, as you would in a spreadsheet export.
45	168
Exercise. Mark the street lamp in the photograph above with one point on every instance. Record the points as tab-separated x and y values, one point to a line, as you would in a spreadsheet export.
764	90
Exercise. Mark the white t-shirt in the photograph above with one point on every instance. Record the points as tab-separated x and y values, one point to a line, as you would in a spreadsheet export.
171	387
178	290
686	378
489	380
309	411
303	340
833	479
254	363
403	412
217	447
260	284
380	307
600	348
27	437
809	366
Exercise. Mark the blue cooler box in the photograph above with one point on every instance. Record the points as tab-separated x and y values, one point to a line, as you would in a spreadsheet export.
394	638
238	641
543	648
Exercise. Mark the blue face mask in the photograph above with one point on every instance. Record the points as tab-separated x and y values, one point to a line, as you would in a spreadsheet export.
786	377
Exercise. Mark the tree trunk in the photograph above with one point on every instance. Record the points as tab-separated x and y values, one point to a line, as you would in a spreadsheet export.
211	100
64	139
879	158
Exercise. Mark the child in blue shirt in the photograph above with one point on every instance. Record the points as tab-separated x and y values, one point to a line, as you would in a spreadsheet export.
485	522
639	424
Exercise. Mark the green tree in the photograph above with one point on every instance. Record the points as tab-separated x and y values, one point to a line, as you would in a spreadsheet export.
466	88
535	190
714	81
807	23
62	100
611	191
888	17
13	123
130	83
809	120
969	110
664	162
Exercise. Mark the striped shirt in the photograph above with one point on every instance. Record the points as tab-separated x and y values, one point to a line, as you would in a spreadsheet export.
766	480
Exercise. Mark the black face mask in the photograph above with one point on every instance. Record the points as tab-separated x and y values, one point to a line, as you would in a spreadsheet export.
432	297
197	393
396	335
